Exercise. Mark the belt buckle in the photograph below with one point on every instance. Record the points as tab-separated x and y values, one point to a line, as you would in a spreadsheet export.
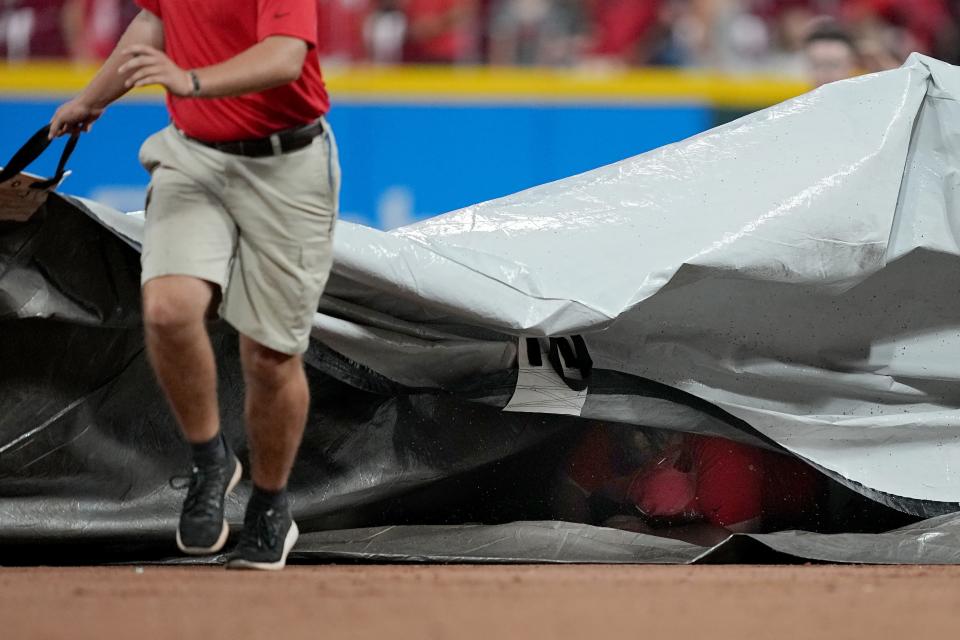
276	145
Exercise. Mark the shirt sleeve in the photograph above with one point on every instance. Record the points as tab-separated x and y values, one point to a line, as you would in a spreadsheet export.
591	464
294	18
153	6
730	479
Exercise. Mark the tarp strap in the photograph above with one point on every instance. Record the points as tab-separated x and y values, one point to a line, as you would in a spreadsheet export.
533	352
32	150
574	358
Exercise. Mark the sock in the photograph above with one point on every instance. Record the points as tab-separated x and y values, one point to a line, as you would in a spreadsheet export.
263	499
209	453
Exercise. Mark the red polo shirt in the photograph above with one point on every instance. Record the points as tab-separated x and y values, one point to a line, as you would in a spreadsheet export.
726	483
201	34
704	478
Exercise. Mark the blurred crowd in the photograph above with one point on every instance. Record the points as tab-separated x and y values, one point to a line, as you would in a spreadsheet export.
778	36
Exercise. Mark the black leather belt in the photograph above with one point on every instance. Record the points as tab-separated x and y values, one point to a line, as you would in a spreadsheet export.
281	142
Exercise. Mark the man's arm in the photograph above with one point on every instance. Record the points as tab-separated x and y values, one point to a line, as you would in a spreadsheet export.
272	62
108	85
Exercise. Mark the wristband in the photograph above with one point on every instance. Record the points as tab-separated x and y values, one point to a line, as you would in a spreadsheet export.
195	81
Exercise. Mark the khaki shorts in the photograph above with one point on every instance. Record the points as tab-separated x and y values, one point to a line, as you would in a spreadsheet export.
260	228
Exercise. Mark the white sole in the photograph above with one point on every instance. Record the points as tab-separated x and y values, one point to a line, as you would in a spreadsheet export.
292	534
224	533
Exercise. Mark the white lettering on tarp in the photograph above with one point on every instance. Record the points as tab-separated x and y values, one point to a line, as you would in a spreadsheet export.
541	390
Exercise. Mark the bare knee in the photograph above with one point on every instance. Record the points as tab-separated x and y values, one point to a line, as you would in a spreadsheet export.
267	367
172	305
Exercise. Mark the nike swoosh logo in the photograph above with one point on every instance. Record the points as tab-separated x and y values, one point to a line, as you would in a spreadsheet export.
281	15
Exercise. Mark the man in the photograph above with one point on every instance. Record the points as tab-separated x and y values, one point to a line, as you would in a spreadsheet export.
91	28
241	206
830	53
622	30
438	31
700	489
30	29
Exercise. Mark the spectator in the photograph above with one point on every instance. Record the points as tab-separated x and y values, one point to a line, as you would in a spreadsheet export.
534	32
439	31
340	30
730	35
696	488
947	46
724	34
622	30
785	24
831	53
31	29
683	36
384	32
915	24
92	28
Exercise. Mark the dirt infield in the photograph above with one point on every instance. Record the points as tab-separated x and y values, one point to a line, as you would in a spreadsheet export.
486	602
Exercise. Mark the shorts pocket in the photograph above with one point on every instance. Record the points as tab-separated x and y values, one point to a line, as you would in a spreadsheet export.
315	261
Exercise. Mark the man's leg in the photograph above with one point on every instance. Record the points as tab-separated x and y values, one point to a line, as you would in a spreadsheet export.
283	259
174	310
277	401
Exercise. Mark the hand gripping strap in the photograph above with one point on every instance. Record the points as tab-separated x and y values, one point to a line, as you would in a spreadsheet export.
32	150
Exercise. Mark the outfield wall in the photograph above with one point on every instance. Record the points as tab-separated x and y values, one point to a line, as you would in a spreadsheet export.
417	142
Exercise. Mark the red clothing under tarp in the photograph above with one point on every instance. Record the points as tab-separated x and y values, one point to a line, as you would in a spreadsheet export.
704	478
732	483
201	34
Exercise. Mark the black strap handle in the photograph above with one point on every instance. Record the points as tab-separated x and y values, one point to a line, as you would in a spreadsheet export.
32	150
578	358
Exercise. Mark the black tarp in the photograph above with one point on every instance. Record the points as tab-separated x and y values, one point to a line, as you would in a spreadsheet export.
385	473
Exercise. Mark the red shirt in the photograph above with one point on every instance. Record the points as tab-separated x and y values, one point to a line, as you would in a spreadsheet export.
449	45
33	29
726	483
201	34
340	29
704	479
103	23
620	25
925	19
593	464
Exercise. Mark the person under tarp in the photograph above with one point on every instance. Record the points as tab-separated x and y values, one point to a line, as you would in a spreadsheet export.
696	488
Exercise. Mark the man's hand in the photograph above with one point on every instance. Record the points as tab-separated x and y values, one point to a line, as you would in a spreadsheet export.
75	116
152	66
80	113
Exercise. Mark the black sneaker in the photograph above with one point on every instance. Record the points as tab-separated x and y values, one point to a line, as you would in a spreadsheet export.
203	529
266	540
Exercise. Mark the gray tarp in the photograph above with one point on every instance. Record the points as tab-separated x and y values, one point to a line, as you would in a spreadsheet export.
790	279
